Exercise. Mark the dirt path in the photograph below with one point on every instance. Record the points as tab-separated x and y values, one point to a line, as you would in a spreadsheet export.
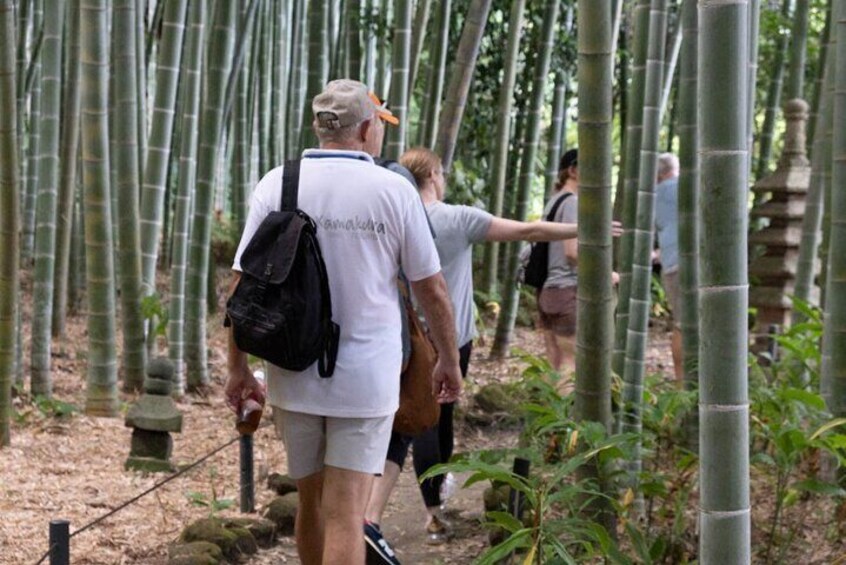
72	468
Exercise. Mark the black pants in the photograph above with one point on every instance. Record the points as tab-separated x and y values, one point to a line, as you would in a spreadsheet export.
434	446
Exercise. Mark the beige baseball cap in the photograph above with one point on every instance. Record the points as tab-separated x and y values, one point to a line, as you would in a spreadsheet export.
346	102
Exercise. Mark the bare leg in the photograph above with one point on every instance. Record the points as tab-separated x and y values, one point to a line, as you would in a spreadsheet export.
567	348
553	351
345	495
381	492
309	525
678	362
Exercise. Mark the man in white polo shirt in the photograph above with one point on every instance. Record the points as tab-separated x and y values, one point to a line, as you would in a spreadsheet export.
370	223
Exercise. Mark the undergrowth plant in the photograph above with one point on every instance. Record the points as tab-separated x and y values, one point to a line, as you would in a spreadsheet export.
792	431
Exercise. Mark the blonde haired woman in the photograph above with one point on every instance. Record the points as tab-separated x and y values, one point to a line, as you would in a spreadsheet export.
456	229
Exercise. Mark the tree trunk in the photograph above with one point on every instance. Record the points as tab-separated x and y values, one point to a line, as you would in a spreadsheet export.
127	189
689	207
634	131
45	219
33	148
161	140
499	160
101	393
297	84
724	513
822	63
511	293
9	219
418	35
437	75
399	97
557	132
798	48
318	67
670	72
281	60
773	99
459	81
812	219
69	157
192	64
595	293
221	41
834	329
644	235
754	10
353	37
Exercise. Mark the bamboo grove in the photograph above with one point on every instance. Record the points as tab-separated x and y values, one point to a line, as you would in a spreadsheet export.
133	132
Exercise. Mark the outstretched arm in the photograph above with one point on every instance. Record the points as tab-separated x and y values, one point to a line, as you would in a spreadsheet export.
433	298
502	229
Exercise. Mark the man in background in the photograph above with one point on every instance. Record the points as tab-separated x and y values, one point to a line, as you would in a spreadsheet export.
667	227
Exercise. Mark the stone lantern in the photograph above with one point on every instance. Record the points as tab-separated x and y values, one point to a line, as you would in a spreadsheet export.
153	417
775	248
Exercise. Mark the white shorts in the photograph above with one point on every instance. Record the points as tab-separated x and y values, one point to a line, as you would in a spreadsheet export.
312	442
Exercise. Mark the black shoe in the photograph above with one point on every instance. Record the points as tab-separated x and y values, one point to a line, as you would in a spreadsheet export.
379	551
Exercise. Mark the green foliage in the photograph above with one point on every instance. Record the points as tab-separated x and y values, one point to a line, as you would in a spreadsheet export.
791	428
43	407
211	501
154	311
790	431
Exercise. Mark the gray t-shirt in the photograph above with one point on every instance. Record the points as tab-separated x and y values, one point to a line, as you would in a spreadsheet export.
457	229
560	273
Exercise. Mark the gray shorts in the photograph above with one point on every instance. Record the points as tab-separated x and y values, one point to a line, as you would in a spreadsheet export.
312	442
670	281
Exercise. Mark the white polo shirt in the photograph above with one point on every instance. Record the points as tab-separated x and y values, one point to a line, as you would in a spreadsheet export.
369	223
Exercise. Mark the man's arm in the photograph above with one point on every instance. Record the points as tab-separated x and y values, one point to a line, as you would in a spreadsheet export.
433	298
240	377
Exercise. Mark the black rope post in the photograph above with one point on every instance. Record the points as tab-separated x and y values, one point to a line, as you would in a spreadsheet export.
248	495
59	542
515	497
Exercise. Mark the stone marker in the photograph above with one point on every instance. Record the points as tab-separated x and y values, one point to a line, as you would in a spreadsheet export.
153	417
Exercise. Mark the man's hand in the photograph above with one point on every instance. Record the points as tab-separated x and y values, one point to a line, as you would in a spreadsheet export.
446	382
240	385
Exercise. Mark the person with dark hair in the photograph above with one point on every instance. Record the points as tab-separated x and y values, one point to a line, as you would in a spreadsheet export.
557	298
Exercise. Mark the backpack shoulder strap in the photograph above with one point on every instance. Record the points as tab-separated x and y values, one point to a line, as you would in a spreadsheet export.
290	185
551	216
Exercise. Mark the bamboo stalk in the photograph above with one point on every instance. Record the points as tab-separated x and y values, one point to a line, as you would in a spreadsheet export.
724	513
10	216
499	161
45	217
689	207
101	394
639	299
633	138
834	329
459	82
191	83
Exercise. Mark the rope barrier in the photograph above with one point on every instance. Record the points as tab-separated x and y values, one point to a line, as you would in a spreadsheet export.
148	491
